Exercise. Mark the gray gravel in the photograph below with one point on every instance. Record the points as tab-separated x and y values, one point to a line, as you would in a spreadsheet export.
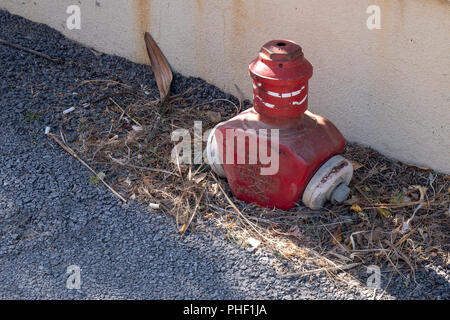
52	217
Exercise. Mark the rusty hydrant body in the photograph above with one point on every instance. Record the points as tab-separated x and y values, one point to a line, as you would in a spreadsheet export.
276	152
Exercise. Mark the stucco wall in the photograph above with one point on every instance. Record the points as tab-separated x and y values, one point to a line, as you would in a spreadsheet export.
387	88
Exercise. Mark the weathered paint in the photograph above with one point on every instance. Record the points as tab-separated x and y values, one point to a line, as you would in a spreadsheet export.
141	12
387	88
280	66
299	145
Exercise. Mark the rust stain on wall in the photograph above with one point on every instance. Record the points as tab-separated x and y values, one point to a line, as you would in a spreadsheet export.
199	11
142	14
141	18
382	37
239	18
201	48
199	5
242	26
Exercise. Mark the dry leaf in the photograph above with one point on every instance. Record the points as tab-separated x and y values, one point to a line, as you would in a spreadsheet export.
356	165
356	208
115	137
215	188
146	182
197	179
288	253
101	175
213	116
208	216
160	67
422	190
183	228
384	212
337	237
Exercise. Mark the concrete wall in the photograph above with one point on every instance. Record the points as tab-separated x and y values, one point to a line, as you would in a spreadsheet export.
388	89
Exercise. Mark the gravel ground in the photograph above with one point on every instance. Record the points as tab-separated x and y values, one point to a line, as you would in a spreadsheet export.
52	217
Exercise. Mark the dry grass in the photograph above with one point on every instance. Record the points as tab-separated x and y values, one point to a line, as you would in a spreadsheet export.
398	214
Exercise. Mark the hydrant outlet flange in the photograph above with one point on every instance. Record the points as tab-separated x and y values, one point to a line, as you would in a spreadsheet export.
212	154
330	182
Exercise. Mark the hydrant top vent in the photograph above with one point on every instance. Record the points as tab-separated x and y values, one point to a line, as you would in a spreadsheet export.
281	60
281	50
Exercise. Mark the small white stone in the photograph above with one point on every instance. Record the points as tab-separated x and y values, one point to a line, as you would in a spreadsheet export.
68	110
254	243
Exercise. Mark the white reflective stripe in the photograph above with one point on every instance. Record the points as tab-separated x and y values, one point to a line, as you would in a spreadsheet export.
273	94
269	105
300	102
283	95
254	85
295	93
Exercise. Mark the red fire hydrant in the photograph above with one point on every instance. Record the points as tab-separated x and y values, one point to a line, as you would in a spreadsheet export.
276	152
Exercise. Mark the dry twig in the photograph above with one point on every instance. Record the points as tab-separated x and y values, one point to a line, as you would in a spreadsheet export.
39	54
73	154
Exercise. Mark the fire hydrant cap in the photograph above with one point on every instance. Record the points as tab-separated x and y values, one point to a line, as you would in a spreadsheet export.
281	60
281	51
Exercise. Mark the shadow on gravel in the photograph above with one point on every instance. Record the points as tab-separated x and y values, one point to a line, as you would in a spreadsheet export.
124	251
